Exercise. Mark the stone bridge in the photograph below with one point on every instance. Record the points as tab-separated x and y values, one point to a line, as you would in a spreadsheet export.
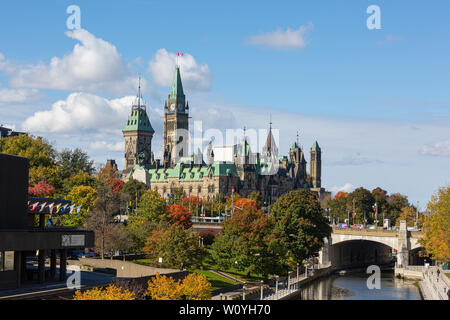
353	247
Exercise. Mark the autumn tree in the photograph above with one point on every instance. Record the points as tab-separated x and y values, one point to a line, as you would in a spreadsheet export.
179	215
118	238
41	189
116	185
112	292
164	288
410	215
196	287
193	287
300	223
436	239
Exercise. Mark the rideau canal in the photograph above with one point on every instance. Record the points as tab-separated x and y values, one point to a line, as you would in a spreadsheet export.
353	286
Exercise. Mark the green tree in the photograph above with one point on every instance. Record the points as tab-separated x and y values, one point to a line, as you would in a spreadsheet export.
139	229
71	162
40	153
176	246
134	189
362	201
176	196
338	208
436	239
152	206
256	196
248	243
100	218
300	223
83	196
396	202
80	179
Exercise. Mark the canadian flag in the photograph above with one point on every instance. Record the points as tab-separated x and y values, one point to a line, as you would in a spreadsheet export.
180	54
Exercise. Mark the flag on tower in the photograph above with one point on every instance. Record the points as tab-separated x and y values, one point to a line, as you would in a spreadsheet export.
180	54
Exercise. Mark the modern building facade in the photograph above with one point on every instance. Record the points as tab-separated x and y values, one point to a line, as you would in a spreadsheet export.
21	240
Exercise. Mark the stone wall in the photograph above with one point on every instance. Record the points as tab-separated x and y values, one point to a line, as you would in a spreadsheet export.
124	269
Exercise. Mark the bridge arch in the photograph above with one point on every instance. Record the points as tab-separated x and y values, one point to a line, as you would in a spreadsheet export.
360	253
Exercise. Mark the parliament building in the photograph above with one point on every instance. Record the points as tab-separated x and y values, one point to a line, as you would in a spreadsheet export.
206	176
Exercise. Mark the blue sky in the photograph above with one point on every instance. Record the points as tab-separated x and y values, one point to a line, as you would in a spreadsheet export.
378	101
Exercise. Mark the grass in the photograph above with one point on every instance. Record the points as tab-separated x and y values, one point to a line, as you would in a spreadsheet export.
216	280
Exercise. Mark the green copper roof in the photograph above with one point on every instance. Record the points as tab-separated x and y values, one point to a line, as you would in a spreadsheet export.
138	120
315	146
294	145
176	92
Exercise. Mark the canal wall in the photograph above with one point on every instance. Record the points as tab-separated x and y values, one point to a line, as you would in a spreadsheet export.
318	273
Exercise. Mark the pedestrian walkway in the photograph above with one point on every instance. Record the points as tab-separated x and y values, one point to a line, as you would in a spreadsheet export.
436	285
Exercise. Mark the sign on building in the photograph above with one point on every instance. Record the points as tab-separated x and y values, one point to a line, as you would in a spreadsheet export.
73	240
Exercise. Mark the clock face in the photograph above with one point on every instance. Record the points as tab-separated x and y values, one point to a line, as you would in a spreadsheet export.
172	107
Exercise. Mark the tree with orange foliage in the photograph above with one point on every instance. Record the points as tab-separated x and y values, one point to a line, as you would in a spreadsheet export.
179	215
244	203
193	203
111	292
341	194
116	185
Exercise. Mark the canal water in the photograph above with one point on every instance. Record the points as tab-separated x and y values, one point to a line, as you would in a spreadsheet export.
354	287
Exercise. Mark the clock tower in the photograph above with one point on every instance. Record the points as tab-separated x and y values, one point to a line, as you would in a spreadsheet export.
176	123
138	134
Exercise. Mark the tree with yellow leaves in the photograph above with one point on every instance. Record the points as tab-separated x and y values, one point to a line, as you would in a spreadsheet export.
111	292
193	287
436	240
164	288
196	287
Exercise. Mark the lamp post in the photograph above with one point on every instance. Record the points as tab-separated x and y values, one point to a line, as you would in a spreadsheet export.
262	290
276	287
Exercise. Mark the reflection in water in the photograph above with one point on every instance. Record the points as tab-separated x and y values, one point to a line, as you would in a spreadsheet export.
354	287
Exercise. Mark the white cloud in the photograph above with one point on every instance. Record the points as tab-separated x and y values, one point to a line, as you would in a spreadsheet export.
194	76
106	146
18	95
437	149
348	187
354	160
94	65
288	39
81	111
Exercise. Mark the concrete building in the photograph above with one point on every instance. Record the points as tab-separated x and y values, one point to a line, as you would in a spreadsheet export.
21	240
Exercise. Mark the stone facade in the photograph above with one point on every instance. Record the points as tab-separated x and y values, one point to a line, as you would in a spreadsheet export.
247	171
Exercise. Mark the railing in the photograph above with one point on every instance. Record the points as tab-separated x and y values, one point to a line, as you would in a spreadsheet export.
437	284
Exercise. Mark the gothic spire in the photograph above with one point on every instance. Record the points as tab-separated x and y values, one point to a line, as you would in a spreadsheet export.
176	92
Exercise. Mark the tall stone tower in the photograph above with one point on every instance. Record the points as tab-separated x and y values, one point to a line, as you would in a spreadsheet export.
138	134
176	123
316	165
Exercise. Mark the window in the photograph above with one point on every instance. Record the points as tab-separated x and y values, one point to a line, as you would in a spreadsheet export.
6	260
